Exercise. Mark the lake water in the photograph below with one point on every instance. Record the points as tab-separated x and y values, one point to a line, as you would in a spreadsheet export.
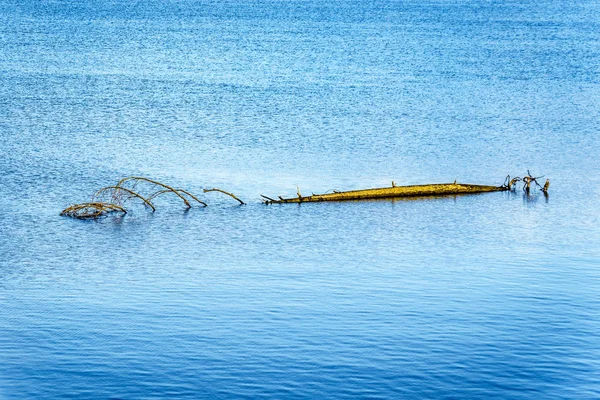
485	296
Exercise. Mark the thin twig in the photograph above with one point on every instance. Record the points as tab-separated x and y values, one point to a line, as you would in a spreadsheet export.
268	198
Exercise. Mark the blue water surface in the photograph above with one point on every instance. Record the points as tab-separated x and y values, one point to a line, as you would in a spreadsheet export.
486	296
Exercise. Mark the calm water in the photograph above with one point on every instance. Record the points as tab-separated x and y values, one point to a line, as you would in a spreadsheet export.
487	296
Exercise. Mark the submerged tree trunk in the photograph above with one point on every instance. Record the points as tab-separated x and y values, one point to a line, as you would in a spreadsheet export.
438	189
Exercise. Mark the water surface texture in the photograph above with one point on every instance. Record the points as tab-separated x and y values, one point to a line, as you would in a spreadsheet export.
486	296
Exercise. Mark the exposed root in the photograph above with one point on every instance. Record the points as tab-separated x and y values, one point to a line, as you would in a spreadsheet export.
227	193
546	186
91	210
509	184
529	179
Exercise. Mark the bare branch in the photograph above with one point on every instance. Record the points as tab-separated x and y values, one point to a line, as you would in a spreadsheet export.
115	190
222	191
91	210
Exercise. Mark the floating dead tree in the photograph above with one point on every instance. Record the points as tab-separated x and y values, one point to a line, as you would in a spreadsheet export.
438	189
112	199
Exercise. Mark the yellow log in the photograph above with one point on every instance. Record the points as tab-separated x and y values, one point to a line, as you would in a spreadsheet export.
438	189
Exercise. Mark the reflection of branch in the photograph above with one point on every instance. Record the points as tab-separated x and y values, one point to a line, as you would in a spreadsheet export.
222	191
